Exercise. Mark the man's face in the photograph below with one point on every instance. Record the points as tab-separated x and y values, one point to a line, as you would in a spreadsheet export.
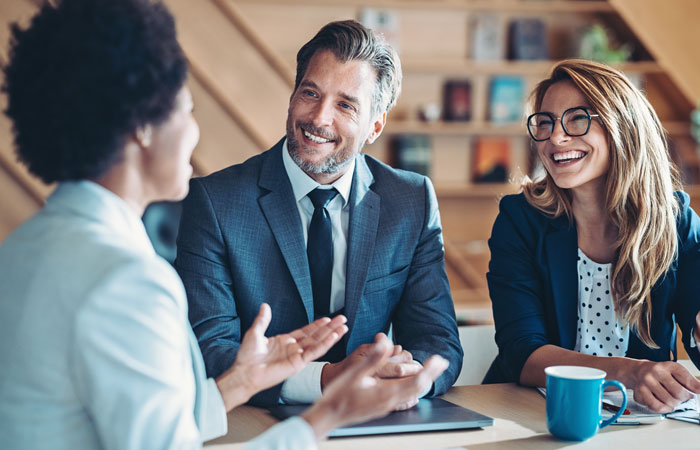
330	116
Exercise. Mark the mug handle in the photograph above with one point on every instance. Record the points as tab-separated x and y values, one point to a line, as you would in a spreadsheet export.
621	387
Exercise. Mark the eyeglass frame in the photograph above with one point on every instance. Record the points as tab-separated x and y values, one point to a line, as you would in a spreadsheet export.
560	119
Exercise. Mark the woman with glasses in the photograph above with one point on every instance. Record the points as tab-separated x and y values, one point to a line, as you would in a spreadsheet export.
595	263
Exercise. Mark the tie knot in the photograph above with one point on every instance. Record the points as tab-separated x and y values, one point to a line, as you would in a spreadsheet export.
321	197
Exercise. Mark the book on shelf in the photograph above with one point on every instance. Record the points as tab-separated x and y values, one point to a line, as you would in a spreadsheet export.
457	100
412	152
528	40
491	160
487	34
506	99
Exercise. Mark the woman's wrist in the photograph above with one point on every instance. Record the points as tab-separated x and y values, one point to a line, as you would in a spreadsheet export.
233	387
321	418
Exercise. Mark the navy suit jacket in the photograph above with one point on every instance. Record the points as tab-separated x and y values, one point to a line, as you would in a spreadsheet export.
241	243
533	283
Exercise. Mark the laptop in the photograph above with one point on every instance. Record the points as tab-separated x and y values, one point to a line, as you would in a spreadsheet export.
433	414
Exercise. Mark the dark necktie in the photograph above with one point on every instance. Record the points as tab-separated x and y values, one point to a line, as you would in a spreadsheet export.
319	249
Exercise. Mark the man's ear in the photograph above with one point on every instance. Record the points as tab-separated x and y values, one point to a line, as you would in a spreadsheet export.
377	128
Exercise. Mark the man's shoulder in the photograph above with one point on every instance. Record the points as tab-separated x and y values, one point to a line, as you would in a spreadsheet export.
386	176
242	173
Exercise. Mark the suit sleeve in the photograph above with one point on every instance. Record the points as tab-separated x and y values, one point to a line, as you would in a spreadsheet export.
424	322
687	302
202	263
515	289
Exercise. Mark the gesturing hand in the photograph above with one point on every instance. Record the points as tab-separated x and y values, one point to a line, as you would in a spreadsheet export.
263	362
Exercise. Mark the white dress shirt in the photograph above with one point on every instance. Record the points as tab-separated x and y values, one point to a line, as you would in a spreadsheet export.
95	344
305	387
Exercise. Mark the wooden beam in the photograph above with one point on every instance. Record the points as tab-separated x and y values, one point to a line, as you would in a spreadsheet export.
20	178
463	267
231	109
238	20
666	30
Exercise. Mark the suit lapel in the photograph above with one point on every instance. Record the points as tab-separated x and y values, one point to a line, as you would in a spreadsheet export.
561	246
280	210
362	235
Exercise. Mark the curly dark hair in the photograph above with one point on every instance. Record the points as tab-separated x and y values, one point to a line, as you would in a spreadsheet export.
83	76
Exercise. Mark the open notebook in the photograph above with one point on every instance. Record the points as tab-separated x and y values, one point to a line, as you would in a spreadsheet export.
687	411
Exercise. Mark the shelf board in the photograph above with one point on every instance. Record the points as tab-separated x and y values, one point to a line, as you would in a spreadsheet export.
472	128
467	67
455	128
482	190
549	6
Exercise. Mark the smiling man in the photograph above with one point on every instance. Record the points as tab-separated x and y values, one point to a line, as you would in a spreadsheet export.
316	228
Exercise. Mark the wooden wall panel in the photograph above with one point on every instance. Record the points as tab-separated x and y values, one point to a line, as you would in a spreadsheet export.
228	58
670	31
222	142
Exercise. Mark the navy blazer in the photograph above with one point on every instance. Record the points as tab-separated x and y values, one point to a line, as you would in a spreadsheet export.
241	243
533	283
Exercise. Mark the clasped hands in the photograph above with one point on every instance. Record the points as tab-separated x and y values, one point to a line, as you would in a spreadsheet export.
399	364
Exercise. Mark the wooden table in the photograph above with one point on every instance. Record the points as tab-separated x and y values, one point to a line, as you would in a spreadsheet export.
519	422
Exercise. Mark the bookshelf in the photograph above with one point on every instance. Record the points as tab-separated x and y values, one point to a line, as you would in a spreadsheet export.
435	44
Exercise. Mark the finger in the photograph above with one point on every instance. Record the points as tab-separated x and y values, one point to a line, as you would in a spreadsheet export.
311	328
686	379
397	351
403	357
661	393
644	396
335	328
314	349
675	387
404	389
262	320
380	337
393	370
432	369
407	405
375	357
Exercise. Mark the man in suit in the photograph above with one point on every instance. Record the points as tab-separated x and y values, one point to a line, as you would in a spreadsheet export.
315	228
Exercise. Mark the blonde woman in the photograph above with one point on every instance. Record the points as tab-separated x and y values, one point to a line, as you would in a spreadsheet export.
596	263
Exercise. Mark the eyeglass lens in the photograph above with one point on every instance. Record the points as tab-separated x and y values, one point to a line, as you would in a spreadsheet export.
575	122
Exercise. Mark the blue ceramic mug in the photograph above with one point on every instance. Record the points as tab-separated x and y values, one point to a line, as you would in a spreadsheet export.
574	401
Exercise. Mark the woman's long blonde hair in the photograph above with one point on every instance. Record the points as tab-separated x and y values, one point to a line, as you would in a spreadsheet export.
640	186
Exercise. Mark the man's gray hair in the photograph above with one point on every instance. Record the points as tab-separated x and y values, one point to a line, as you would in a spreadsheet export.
349	40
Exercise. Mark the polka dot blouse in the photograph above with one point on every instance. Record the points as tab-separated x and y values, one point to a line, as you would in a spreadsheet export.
598	333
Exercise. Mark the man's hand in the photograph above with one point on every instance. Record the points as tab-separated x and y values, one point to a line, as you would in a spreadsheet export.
399	364
357	394
263	362
661	386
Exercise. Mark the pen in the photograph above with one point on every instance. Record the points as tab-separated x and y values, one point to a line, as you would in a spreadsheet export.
613	408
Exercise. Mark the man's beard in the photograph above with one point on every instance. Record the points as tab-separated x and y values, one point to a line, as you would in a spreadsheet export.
331	165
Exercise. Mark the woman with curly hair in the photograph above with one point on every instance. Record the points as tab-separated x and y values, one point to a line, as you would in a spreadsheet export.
95	343
595	263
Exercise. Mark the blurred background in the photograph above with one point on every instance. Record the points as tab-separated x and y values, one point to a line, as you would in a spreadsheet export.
468	67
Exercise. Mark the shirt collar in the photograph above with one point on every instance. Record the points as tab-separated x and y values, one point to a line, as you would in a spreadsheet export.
302	184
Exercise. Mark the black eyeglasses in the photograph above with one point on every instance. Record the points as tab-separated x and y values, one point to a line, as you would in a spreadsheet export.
574	121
